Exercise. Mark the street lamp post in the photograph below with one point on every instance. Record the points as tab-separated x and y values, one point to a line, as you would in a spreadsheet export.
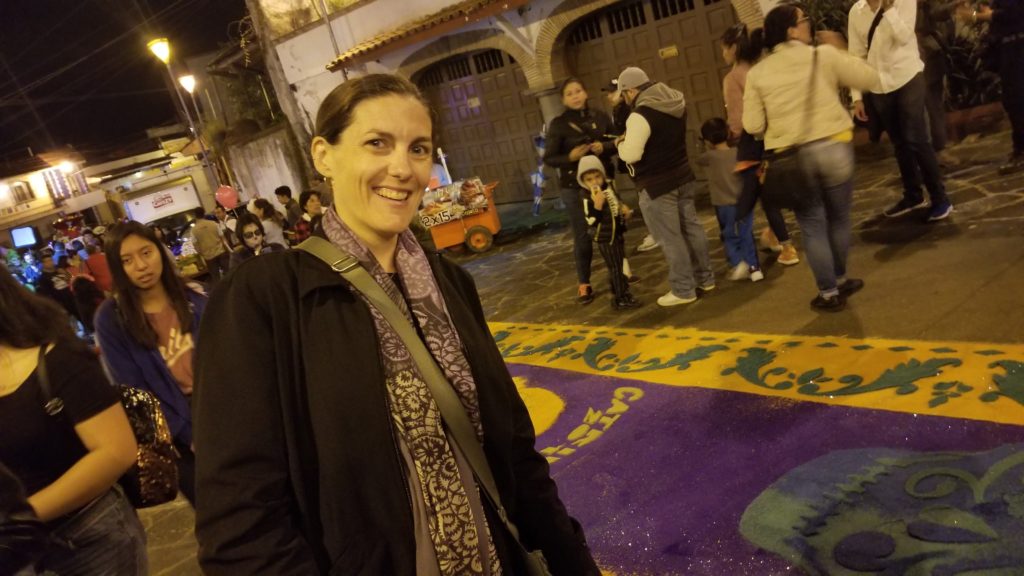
161	48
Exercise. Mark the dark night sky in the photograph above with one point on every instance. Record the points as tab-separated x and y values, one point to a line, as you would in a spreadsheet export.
103	103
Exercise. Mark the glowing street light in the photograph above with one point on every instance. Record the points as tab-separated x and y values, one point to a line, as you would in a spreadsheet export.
187	82
66	167
161	48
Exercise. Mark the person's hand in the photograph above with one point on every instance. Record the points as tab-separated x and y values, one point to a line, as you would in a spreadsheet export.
597	148
619	140
579	152
596	191
984	13
832	38
627	212
859	112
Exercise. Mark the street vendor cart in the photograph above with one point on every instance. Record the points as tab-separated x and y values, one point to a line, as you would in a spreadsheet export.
462	213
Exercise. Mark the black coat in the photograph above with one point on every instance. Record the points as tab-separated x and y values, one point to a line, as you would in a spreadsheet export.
569	130
298	471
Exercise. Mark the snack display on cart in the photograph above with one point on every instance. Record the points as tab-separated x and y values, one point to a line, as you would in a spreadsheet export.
455	201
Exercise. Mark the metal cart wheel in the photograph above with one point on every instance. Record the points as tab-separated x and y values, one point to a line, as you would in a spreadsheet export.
479	239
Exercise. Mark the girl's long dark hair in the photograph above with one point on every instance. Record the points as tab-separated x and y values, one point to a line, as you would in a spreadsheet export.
28	320
126	294
749	45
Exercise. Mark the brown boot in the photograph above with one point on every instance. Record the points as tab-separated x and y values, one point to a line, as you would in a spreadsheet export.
769	241
788	255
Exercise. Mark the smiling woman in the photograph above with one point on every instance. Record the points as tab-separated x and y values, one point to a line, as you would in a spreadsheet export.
322	447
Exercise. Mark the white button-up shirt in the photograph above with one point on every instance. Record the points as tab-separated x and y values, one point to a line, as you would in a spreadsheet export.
894	51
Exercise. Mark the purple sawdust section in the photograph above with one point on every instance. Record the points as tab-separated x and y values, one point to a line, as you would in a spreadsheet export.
662	490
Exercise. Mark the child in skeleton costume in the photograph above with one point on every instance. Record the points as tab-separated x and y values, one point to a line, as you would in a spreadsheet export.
606	217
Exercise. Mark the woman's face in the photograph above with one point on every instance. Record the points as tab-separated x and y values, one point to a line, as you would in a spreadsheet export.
380	166
574	96
729	53
313	206
141	261
802	30
252	236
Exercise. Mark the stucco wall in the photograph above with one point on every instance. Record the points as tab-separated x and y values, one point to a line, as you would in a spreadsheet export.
264	163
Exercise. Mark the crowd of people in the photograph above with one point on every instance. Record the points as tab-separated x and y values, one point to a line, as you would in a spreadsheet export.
785	121
290	472
247	380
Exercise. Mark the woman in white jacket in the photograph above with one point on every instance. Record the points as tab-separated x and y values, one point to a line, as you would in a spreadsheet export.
780	104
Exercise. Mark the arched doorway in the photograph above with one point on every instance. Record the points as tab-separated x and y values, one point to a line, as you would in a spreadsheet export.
486	119
674	41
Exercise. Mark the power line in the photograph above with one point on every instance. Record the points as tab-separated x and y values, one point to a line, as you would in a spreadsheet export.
40	81
76	99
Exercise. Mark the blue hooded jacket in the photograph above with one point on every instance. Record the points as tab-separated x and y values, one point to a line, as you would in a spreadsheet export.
132	364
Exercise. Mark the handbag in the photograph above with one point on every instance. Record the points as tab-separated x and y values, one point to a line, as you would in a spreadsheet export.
23	537
783	181
153	479
452	412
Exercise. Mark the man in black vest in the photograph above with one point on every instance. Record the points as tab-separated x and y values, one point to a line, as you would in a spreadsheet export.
654	149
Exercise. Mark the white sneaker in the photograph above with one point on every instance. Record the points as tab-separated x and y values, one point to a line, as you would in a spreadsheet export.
670	299
740	272
756	275
648	244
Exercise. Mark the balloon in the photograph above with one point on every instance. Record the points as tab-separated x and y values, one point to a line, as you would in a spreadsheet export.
227	197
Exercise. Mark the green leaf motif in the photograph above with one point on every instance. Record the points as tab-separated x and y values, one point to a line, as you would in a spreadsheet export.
944	385
1010	384
938	401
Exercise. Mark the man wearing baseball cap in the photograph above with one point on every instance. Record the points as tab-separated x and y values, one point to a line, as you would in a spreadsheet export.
654	149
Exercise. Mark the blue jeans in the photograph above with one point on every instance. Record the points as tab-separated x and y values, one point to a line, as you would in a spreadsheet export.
105	537
672	220
582	246
905	118
737	236
825	224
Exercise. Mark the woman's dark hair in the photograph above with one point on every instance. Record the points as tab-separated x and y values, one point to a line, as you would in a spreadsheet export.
715	131
777	24
305	196
335	113
248	219
268	211
28	320
126	294
568	81
88	298
62	262
749	45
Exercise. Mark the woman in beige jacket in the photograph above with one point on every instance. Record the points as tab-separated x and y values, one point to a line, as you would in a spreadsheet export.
781	104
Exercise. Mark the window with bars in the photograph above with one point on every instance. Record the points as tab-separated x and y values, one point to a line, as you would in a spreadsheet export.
457	68
489	60
432	77
626	17
588	29
21	193
666	8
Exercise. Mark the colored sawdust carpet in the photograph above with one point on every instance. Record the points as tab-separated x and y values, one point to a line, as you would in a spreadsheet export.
695	453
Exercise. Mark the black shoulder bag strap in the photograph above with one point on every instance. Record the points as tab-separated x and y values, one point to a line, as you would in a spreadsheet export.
53	405
874	26
447	400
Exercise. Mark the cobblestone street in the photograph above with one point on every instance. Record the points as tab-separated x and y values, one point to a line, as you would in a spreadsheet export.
956	280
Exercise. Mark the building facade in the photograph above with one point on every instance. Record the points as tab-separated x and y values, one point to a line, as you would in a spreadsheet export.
491	69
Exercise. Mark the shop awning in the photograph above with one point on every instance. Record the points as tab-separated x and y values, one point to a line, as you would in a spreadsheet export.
432	26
